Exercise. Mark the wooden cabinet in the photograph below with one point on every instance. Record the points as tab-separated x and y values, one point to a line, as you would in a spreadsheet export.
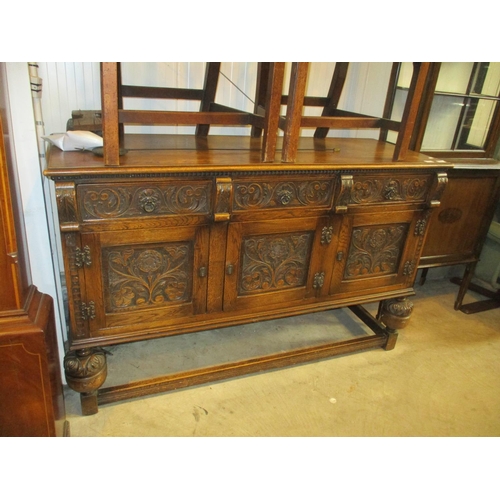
458	228
31	392
152	251
170	234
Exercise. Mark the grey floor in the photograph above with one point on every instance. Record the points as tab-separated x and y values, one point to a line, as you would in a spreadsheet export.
442	379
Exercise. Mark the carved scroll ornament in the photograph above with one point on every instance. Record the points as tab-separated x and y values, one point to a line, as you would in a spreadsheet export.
262	194
378	189
108	202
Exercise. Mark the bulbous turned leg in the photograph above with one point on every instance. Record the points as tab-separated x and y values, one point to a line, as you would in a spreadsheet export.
86	371
395	315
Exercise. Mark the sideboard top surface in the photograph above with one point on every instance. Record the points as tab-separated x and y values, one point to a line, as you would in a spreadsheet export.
185	154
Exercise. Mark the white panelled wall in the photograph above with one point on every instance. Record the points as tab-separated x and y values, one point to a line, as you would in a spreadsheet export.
68	86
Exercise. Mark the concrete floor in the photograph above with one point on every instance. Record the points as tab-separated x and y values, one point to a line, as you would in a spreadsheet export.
442	379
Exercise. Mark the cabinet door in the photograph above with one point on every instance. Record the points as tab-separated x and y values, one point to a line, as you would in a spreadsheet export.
273	262
377	252
144	277
458	226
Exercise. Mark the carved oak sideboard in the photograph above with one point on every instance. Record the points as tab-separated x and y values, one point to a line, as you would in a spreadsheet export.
195	238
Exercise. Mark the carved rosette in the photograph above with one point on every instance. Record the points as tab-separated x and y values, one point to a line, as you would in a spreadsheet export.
149	199
85	369
396	313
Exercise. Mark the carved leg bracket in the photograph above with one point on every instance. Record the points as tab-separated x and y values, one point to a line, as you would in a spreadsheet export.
395	315
86	371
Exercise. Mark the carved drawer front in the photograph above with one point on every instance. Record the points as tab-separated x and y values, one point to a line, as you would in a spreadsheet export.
146	277
377	251
122	200
359	190
270	263
269	193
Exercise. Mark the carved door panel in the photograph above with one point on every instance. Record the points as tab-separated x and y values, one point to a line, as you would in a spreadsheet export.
377	252
273	262
144	277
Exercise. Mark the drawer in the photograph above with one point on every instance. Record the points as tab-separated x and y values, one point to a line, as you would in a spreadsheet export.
271	193
107	201
386	188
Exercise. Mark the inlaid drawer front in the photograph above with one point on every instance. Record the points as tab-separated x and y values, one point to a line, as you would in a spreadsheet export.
111	201
272	194
366	189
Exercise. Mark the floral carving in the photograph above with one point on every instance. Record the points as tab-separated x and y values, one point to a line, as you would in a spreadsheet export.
375	250
275	262
145	277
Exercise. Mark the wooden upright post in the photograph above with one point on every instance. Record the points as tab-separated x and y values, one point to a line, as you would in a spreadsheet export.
110	123
413	101
298	80
272	110
334	93
209	91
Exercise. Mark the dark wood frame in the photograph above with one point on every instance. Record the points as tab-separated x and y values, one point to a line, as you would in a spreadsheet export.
423	117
